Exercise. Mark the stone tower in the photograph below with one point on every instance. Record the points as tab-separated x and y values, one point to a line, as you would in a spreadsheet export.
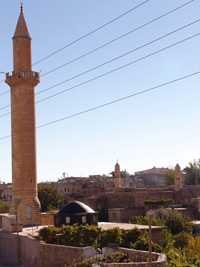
178	180
25	202
117	176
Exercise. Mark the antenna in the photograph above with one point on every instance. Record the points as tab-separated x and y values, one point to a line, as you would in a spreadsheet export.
21	7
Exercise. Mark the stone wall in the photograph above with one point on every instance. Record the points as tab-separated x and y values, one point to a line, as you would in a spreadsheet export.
47	218
140	259
36	253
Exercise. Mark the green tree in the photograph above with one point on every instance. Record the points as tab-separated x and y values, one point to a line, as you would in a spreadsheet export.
193	172
181	239
169	177
123	174
176	222
50	197
4	206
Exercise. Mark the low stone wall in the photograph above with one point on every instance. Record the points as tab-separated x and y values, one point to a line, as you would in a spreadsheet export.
140	259
36	253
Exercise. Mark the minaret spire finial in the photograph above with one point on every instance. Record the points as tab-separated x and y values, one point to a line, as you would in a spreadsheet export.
21	7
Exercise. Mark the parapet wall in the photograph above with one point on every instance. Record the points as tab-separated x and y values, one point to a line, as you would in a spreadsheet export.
140	259
35	253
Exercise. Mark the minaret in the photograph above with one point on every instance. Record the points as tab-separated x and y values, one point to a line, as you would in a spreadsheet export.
117	176
178	180
25	202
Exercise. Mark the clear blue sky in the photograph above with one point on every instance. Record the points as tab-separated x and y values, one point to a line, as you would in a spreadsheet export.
158	128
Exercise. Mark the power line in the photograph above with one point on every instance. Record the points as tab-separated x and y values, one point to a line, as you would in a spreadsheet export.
4	115
4	107
119	68
109	72
100	47
120	99
88	34
115	101
116	58
116	39
5	91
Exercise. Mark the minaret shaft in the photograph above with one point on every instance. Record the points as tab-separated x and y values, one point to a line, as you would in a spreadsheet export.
22	54
24	201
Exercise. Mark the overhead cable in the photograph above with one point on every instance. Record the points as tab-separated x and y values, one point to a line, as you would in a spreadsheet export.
109	72
173	10
116	69
116	39
99	28
116	58
115	101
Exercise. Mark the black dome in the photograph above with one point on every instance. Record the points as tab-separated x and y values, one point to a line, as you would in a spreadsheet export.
76	207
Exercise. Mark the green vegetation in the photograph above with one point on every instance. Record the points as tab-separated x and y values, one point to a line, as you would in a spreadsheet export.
114	257
176	222
193	172
158	203
4	206
180	246
169	176
145	221
91	235
50	197
117	257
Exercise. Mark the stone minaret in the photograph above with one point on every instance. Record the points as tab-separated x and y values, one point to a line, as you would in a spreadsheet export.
25	202
178	180
117	176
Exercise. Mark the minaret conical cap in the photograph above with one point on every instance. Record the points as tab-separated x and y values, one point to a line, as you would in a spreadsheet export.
21	28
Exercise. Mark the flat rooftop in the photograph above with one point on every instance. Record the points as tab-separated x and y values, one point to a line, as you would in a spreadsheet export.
126	226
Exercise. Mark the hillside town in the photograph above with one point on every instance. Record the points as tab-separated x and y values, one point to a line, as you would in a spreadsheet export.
149	218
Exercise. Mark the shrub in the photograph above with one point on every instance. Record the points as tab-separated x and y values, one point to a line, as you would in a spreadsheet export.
130	236
176	222
117	257
4	206
113	235
181	240
158	203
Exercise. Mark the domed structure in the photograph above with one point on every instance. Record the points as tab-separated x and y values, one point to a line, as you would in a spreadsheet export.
76	212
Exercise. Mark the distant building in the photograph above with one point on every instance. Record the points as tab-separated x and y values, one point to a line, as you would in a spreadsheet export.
6	193
152	177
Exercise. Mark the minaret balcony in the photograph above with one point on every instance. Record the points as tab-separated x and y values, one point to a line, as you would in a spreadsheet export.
27	77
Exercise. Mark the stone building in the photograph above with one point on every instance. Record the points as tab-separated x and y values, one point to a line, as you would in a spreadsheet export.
151	177
22	82
76	212
6	193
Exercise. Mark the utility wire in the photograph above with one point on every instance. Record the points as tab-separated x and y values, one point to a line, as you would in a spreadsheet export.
5	91
114	40
109	72
116	58
4	107
4	114
115	101
119	68
88	34
100	47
